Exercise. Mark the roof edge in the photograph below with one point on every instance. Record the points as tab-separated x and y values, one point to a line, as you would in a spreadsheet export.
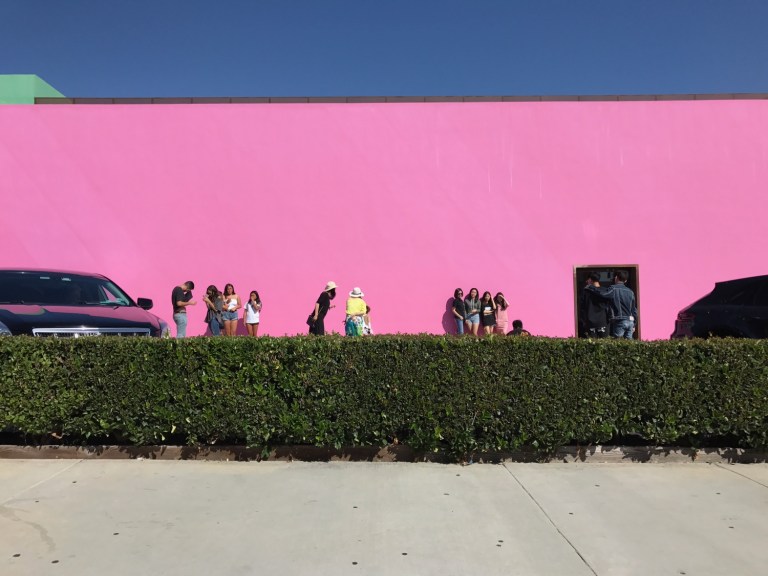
402	99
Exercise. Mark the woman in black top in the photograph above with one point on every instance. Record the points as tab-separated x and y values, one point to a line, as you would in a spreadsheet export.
487	313
316	320
458	310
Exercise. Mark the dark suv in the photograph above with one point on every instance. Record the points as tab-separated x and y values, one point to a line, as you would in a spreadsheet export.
737	308
71	304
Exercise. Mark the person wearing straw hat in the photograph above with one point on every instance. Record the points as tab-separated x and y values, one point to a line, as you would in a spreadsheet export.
353	324
316	320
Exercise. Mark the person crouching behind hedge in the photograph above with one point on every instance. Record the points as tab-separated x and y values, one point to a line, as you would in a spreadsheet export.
356	307
517	329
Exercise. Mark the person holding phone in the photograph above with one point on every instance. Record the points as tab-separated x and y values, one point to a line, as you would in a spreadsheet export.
252	313
231	306
487	313
181	297
214	304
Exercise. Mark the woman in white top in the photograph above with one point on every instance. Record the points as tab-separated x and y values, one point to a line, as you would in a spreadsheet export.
367	330
252	313
231	306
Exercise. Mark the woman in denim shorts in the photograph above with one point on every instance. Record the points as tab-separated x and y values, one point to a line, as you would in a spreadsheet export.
231	306
472	309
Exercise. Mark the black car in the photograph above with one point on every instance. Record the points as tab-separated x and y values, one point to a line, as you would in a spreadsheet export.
737	308
71	304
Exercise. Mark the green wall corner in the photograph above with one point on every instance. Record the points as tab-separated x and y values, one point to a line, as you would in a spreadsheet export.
24	88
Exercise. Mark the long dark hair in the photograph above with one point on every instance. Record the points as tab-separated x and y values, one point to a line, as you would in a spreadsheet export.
229	286
486	293
212	292
469	295
456	293
258	298
500	301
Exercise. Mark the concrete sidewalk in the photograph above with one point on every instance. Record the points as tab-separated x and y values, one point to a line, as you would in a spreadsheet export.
148	518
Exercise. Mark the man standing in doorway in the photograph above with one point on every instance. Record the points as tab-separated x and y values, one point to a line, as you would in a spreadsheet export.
594	309
181	297
623	305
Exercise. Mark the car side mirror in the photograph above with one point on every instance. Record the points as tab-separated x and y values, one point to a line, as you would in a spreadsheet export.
145	303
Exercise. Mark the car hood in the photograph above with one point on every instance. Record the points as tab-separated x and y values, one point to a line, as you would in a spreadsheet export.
22	318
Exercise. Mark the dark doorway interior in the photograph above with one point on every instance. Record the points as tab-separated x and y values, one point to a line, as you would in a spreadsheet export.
606	273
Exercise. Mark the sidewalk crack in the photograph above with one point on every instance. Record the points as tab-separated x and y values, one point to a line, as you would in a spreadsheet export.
552	522
728	469
44	480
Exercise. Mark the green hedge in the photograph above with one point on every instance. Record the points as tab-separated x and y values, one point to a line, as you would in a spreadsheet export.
460	395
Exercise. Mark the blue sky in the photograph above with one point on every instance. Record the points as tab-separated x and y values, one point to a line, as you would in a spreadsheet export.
123	48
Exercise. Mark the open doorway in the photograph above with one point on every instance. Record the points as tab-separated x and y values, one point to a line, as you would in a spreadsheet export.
606	272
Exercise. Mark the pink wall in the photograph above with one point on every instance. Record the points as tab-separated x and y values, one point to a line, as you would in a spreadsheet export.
407	201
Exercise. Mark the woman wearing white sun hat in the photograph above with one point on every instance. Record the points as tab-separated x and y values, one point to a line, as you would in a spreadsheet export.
316	319
353	324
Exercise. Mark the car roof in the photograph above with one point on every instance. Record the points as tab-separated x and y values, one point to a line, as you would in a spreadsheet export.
748	280
52	271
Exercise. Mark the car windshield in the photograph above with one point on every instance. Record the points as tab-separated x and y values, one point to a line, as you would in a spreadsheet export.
57	289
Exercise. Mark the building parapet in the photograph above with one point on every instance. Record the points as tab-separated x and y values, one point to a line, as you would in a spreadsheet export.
401	99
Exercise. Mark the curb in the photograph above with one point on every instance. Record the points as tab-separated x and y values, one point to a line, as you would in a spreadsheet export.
391	453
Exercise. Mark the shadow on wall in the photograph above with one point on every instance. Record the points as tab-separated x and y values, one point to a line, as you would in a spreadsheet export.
449	322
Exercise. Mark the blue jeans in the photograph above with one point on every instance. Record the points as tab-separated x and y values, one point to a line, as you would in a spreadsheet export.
215	327
459	325
180	319
623	328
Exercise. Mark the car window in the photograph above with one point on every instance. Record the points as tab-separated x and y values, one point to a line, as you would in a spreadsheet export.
740	294
744	292
743	297
112	294
48	288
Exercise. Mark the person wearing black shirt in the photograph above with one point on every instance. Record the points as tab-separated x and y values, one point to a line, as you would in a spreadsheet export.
622	303
458	310
594	310
181	297
316	320
488	313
